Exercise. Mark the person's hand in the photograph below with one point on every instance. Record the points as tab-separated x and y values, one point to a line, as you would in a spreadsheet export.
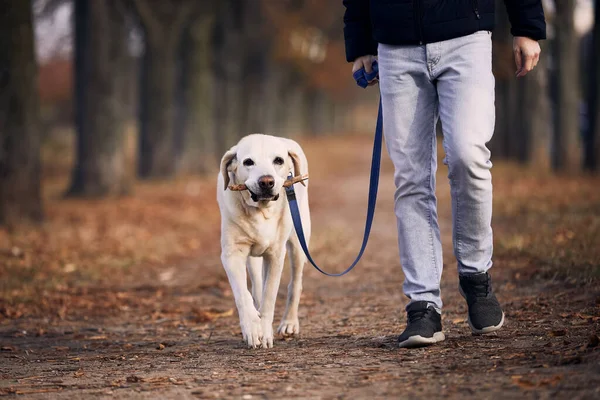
365	62
527	54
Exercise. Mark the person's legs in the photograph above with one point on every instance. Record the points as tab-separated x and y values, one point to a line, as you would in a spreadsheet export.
465	86
410	113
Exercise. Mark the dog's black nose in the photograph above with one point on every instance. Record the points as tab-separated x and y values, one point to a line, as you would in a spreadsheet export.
266	182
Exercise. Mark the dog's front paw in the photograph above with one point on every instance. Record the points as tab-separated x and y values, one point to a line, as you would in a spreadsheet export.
267	339
252	330
289	327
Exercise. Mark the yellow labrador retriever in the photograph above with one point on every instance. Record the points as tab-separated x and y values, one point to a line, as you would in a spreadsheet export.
256	230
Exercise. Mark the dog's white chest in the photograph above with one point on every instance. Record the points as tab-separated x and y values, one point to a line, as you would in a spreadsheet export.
264	234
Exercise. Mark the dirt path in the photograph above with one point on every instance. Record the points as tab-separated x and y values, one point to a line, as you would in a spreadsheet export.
168	330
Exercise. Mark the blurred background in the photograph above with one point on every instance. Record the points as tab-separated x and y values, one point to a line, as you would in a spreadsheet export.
121	90
100	99
99	96
140	89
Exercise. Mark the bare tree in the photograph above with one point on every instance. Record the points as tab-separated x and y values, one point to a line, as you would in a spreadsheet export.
535	115
163	23
195	136
100	82
20	197
566	146
592	161
229	55
507	140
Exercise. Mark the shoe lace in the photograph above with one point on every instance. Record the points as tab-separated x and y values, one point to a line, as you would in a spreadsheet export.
417	314
479	289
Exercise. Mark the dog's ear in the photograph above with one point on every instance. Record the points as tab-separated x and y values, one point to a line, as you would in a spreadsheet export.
226	161
296	163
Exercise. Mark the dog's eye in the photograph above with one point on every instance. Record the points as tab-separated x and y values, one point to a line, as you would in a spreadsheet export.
278	161
248	162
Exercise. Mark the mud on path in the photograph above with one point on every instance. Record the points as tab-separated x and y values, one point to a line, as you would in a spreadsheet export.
170	330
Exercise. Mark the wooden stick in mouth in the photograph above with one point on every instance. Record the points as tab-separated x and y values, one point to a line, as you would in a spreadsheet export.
287	183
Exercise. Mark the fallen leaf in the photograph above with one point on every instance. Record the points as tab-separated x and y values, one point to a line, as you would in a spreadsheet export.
571	360
579	322
160	346
134	379
8	348
551	381
515	355
593	341
97	337
33	391
79	373
523	383
211	315
557	332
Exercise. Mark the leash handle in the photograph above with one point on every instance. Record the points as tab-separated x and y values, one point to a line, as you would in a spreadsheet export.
373	186
362	77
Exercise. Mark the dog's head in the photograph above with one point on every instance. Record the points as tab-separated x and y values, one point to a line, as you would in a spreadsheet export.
262	163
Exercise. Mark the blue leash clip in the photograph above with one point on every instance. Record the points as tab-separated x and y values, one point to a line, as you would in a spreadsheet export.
362	80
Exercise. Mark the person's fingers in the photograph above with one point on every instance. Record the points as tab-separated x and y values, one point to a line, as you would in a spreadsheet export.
536	59
527	65
357	65
368	62
518	60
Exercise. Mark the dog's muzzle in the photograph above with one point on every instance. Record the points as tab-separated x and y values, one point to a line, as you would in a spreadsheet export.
265	183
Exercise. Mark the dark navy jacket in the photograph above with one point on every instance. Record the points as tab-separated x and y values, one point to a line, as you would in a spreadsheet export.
407	22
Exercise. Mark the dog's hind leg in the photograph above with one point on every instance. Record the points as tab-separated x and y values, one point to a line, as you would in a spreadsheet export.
289	323
255	270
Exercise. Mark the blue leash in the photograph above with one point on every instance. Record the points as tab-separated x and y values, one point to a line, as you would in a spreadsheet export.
362	80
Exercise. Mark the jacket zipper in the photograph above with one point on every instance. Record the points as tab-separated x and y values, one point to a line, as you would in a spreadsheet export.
476	8
417	12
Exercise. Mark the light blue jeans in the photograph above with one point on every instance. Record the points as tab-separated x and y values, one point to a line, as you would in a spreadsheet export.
451	80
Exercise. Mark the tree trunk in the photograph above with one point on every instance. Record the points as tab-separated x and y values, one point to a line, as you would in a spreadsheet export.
566	146
228	86
537	115
20	197
274	107
156	157
163	24
318	112
295	117
100	55
196	140
259	40
503	143
255	93
593	151
290	103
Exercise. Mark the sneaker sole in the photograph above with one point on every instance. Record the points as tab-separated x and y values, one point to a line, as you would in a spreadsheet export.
420	341
487	329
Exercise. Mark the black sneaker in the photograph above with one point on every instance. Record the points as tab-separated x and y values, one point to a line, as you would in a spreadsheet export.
424	326
485	313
